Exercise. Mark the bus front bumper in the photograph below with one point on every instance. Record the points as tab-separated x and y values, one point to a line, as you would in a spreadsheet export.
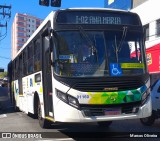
66	113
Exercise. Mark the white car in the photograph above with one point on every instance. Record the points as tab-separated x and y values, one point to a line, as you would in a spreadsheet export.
1	79
4	82
155	96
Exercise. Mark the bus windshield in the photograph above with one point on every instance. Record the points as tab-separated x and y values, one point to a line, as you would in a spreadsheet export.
100	53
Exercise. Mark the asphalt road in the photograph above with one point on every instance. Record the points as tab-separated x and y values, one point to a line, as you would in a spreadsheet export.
20	126
4	98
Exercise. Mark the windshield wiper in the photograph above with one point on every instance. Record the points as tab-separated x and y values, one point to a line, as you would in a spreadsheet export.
119	46
89	41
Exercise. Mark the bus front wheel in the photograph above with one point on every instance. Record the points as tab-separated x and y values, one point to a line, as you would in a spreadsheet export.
104	123
42	122
148	121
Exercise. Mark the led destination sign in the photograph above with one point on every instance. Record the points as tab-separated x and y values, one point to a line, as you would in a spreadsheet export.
97	20
97	17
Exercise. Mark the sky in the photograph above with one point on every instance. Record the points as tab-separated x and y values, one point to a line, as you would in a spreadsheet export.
33	8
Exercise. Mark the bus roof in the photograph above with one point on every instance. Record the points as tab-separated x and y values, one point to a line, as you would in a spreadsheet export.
95	8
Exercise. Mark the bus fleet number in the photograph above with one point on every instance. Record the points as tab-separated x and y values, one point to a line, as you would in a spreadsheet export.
82	96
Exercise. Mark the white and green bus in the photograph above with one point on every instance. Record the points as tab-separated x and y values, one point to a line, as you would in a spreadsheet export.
83	65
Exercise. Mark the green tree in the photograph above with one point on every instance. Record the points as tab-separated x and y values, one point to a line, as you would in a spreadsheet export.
3	74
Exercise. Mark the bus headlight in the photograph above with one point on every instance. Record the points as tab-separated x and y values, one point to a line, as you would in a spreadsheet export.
73	101
68	99
145	96
62	96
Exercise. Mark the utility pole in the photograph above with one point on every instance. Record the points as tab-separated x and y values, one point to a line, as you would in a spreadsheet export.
4	14
3	25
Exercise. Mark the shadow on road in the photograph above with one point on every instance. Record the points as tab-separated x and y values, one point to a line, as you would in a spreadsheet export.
5	103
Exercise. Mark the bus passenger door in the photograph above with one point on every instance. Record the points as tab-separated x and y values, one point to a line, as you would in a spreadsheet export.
47	78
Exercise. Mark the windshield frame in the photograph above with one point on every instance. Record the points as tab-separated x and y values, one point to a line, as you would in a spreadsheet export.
141	42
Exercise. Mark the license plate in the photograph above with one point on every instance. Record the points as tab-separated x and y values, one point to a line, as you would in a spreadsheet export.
112	111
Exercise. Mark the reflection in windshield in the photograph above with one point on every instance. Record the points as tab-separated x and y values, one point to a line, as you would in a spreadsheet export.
96	53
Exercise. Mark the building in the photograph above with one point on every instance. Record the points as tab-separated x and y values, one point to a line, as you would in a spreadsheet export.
136	3
119	4
22	28
150	17
123	4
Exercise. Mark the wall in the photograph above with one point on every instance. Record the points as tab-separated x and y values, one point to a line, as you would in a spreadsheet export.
118	4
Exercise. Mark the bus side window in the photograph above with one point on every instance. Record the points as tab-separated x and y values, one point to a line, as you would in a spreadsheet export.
30	59
20	65
25	62
37	64
16	68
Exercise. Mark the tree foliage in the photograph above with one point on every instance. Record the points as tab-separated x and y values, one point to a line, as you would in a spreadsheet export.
3	74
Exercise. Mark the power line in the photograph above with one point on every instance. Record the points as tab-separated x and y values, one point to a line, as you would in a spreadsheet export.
4	15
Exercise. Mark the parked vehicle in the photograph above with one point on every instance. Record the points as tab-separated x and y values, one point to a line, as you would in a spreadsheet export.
155	96
4	82
1	81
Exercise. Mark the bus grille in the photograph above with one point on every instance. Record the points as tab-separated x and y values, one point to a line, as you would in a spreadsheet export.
100	86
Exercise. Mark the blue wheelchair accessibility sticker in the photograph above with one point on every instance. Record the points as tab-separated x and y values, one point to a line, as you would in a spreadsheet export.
115	69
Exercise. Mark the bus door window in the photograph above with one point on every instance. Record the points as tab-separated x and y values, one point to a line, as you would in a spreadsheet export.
47	74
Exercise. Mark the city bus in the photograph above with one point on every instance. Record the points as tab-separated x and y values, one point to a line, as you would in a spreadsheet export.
83	65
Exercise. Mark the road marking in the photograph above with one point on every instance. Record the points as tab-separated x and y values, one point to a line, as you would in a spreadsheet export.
59	139
64	139
3	116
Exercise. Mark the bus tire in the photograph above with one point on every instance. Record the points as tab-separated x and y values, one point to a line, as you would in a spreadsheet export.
104	123
148	121
42	122
16	109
